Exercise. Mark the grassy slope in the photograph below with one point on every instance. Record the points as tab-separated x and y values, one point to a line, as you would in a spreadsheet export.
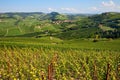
49	42
80	33
106	28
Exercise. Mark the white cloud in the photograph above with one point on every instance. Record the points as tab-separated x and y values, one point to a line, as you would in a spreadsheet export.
69	9
51	9
65	10
94	9
105	6
108	4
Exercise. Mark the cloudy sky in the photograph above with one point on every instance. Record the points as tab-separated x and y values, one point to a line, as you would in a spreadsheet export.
62	6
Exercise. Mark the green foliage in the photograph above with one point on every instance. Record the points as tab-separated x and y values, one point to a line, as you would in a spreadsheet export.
52	15
32	63
80	33
13	32
61	17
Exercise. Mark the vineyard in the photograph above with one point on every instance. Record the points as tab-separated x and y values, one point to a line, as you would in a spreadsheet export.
60	40
51	64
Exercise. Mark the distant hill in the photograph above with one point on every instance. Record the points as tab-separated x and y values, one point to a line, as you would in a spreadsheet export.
65	26
106	25
24	24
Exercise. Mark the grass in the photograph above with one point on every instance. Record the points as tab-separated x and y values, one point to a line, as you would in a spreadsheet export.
13	32
56	42
105	28
79	33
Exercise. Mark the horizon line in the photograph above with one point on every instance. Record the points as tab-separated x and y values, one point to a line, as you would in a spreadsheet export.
53	11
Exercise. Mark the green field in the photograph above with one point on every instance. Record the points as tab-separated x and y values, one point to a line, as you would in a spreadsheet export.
51	42
49	58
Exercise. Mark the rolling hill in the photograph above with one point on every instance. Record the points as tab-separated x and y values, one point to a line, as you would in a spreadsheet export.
106	25
65	26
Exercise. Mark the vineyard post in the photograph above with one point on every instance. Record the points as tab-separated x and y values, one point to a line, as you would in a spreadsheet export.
108	72
95	77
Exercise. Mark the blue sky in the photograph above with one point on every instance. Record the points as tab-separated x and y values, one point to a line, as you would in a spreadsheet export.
62	6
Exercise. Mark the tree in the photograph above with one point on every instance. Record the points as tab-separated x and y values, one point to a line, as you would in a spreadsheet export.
96	38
